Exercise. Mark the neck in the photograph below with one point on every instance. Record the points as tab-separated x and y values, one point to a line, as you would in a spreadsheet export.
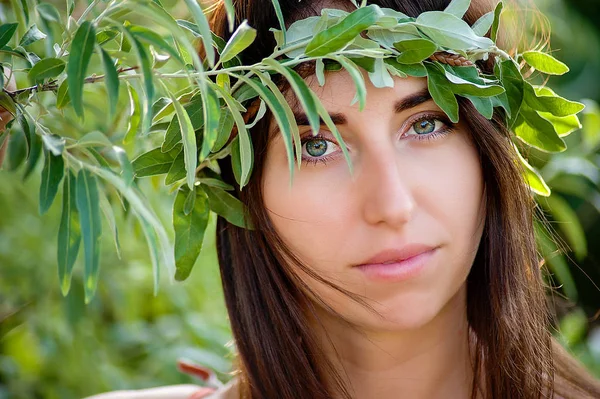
432	361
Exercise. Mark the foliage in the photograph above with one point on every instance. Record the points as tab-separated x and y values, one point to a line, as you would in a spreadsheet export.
105	101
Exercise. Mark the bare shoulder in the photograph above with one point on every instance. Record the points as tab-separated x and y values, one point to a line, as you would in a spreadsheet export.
185	391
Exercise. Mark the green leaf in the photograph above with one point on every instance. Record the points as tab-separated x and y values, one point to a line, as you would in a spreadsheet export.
414	50
441	91
173	134
545	63
135	114
483	24
88	206
35	150
243	37
155	162
464	87
483	105
537	132
446	30
340	34
177	169
230	10
417	70
545	100
513	83
6	33
380	77
302	91
148	82
247	156
533	178
334	130
109	215
111	80
80	54
204	29
32	35
69	234
280	18
126	167
49	12
563	126
496	23
357	78
150	37
189	230
226	206
189	142
52	174
212	109
46	68
458	8
62	96
289	114
226	122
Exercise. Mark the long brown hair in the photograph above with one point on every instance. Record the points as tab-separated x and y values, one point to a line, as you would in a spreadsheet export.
269	307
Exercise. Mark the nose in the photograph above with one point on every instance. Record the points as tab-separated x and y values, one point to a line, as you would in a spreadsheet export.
387	198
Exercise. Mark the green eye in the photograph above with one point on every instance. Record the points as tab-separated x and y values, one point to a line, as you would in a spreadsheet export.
316	147
424	126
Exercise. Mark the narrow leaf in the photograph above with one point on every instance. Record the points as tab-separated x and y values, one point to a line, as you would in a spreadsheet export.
483	24
32	35
458	7
154	162
243	37
415	50
69	234
441	91
226	206
52	174
340	34
496	23
545	63
91	229
81	51
204	29
6	33
212	109
189	142
189	230
111	80
46	68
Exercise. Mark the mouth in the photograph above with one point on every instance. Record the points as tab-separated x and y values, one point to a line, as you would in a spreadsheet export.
399	264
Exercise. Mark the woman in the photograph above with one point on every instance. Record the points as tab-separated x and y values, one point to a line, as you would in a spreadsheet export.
415	277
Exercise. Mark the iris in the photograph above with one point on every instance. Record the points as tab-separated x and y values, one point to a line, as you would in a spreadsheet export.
424	126
316	147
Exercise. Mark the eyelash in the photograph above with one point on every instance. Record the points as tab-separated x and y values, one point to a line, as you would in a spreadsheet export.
447	127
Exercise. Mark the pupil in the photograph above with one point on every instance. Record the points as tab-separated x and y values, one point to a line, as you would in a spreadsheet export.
424	126
316	147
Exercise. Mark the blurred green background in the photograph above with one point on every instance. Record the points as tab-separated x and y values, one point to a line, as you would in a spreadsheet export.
56	347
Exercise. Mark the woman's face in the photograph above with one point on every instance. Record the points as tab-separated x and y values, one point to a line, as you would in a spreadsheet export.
402	230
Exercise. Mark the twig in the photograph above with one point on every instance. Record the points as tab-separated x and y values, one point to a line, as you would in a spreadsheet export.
51	85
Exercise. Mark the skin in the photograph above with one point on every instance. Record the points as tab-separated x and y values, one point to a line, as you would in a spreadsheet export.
403	190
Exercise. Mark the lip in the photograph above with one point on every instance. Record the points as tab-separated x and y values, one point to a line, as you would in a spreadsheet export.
398	264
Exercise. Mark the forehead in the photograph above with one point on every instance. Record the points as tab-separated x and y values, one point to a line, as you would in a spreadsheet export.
338	94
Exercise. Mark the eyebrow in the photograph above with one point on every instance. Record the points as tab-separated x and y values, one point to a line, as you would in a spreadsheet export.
401	105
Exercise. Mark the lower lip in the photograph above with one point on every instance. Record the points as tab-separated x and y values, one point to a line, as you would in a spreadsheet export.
399	271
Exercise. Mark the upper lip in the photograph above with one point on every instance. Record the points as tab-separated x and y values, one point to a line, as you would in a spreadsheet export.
398	254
